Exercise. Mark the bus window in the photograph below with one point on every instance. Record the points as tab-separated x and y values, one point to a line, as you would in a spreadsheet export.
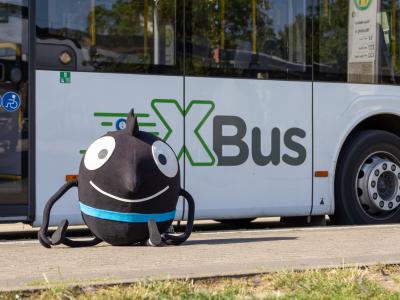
109	35
264	39
330	48
14	121
357	41
388	24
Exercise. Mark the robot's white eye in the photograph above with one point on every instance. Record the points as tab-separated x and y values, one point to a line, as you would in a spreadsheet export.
99	152
165	158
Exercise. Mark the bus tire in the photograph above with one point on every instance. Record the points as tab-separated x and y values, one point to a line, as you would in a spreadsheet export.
367	180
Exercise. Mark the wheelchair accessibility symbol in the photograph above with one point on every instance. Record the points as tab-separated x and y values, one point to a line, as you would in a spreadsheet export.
10	101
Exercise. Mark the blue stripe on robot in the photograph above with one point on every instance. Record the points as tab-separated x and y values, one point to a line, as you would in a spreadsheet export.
126	217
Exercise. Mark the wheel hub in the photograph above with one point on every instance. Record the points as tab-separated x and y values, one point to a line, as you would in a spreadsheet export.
378	185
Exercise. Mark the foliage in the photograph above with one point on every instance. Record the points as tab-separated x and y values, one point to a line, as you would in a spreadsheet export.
352	283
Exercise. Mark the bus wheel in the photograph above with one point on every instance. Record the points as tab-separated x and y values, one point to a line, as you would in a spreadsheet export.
367	181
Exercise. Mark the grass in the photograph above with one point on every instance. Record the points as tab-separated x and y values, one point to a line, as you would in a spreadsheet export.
380	282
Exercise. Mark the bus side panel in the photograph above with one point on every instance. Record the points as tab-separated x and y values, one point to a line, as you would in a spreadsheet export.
236	177
338	108
73	109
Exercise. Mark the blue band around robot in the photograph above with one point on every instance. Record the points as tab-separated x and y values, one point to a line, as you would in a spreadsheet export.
125	217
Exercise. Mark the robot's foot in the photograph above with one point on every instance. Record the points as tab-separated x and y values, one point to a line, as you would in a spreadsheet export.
43	241
58	235
155	237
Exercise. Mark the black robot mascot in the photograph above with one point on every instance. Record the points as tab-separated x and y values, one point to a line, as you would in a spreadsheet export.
128	187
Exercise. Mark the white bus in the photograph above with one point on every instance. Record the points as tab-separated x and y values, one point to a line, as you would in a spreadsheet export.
275	107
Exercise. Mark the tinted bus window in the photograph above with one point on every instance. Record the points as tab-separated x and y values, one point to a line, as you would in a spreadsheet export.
330	47
255	39
109	35
389	36
358	41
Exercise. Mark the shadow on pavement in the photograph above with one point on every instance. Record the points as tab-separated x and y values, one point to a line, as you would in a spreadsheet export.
238	240
202	226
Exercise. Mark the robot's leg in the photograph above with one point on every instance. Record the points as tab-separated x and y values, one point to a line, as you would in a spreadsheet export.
58	235
155	239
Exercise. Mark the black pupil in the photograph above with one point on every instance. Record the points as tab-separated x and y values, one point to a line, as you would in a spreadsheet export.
103	153
162	159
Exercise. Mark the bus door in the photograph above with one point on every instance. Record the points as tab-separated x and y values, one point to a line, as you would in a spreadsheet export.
248	96
96	60
14	53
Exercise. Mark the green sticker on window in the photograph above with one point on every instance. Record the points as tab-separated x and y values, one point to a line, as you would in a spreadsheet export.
65	77
363	4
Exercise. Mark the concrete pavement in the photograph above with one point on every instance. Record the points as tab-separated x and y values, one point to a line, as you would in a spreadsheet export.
25	264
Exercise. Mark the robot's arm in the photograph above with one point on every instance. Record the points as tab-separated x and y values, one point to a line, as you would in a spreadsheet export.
171	239
58	236
157	239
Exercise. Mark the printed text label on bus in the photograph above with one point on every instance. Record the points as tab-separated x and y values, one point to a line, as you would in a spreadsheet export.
169	111
237	140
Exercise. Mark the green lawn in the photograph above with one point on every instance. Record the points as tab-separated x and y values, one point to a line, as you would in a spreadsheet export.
381	282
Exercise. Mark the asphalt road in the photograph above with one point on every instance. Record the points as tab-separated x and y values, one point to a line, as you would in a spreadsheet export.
26	264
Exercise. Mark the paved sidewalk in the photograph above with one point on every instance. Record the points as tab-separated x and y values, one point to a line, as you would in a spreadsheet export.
25	264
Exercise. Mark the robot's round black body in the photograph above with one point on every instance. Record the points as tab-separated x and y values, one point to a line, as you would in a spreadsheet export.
119	198
128	180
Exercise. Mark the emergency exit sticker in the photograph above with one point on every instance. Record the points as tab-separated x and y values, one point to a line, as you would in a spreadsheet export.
65	77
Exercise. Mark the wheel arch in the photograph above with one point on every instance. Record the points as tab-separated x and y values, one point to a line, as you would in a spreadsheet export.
389	122
383	121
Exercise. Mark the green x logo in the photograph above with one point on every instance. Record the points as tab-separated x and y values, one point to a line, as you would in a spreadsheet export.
195	115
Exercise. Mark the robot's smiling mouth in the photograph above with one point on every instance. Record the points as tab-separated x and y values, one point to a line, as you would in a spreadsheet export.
128	200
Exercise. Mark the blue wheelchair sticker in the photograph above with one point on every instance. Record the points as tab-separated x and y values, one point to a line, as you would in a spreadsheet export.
10	101
120	124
